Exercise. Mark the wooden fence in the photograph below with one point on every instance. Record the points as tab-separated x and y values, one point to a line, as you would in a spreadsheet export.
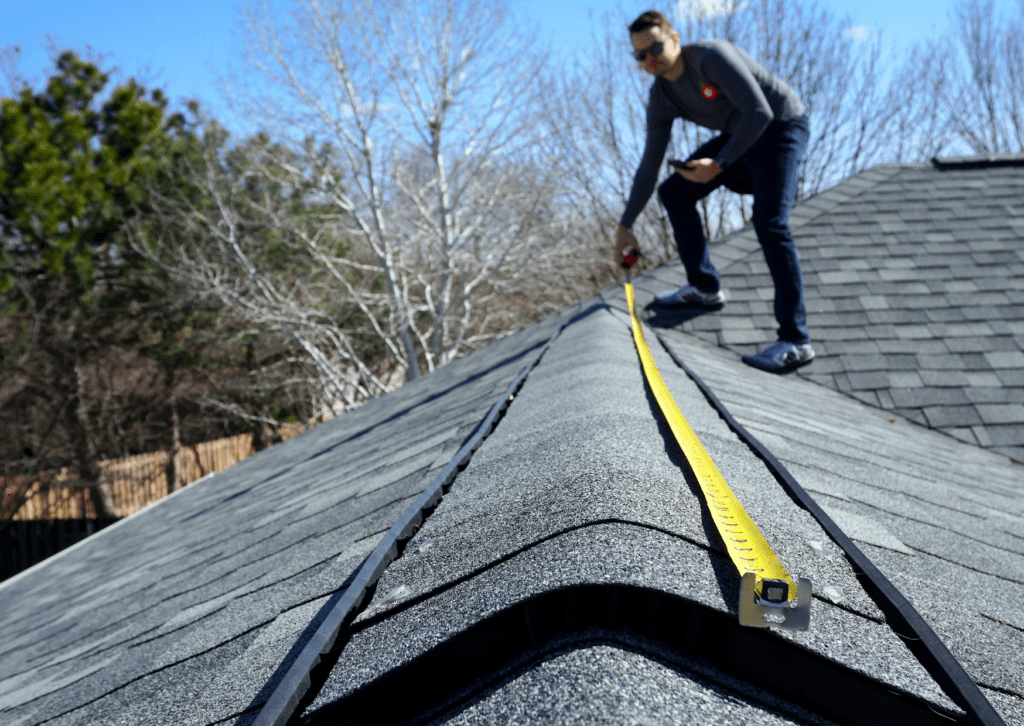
56	516
135	482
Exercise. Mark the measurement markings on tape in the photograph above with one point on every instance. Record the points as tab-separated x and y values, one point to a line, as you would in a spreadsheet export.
768	595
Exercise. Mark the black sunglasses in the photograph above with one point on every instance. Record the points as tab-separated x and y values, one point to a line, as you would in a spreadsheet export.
653	49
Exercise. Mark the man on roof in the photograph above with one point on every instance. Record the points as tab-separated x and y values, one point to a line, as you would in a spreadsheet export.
764	134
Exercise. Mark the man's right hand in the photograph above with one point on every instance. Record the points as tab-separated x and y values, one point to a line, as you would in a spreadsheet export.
624	239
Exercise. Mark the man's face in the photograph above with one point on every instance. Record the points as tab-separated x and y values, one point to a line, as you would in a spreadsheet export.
656	65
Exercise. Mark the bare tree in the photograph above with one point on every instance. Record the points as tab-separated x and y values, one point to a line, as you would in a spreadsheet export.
10	60
974	79
409	180
236	224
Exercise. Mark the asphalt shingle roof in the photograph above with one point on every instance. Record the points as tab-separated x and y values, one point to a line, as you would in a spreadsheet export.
943	520
914	279
588	491
575	538
187	610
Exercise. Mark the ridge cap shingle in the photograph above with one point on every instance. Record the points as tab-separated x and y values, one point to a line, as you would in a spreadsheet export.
977	162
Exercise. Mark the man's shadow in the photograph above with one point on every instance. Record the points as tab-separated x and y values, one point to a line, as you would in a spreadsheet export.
658	316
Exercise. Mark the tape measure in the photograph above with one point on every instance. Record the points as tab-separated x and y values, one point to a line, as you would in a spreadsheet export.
768	595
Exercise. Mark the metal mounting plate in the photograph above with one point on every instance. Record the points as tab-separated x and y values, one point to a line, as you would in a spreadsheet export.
755	612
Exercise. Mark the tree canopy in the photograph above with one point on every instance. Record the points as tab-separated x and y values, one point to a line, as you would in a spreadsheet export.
69	176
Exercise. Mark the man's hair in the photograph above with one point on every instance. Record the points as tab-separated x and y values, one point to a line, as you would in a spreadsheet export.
651	19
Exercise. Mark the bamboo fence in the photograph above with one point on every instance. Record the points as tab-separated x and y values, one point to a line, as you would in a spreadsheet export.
135	482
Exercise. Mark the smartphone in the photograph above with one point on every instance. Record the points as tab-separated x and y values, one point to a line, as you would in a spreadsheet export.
678	164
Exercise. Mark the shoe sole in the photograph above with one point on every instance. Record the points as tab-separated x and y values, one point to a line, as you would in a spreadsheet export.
690	304
789	368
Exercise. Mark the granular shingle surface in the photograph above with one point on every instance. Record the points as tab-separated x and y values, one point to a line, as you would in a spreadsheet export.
914	279
580	484
928	510
188	612
619	678
192	611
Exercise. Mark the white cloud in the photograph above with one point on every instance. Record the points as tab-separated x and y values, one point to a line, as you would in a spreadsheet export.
858	32
693	10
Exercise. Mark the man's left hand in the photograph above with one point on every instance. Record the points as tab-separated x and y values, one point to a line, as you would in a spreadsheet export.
700	170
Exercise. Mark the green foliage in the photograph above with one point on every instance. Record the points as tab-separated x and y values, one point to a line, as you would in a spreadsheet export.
81	167
70	173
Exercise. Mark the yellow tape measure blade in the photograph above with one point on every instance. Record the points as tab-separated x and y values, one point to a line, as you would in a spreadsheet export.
746	546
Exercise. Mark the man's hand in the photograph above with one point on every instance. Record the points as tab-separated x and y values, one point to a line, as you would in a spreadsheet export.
700	170
624	239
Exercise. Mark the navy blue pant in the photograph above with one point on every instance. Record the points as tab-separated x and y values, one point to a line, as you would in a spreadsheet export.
769	170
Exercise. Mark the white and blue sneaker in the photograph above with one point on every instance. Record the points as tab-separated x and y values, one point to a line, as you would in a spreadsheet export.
781	357
689	295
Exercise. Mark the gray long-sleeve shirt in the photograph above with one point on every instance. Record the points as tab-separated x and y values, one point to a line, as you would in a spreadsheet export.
721	88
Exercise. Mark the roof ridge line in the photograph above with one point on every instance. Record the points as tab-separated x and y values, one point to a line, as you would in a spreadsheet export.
377	617
978	161
294	686
450	673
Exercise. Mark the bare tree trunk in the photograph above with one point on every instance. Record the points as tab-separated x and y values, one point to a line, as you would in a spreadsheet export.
88	463
173	475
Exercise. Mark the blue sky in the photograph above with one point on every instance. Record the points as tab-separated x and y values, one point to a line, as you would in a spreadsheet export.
183	46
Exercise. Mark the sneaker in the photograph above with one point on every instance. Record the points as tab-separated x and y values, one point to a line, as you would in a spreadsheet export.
689	295
781	357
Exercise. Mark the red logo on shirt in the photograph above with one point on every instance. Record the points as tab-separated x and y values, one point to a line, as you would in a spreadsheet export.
709	92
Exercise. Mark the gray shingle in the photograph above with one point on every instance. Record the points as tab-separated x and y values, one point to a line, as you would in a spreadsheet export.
898	288
1009	413
900	316
959	330
979	337
871	381
1006	359
913	332
946	416
948	361
985	379
931	396
915	294
905	379
743	337
990	394
874	302
931	347
857	362
965	434
955	286
946	314
868	397
944	378
840	277
885	399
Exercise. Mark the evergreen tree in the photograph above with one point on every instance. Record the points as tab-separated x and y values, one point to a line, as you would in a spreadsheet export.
71	172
